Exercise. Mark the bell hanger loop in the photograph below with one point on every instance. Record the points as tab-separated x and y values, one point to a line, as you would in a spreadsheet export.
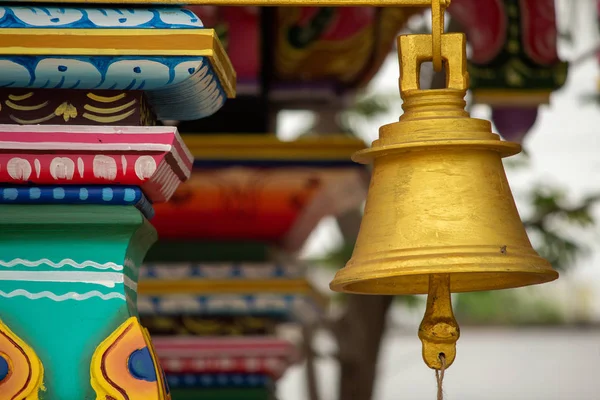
438	7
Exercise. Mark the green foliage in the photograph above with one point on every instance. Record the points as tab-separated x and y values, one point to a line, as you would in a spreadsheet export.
336	258
366	108
552	214
520	161
409	301
505	307
591	99
370	106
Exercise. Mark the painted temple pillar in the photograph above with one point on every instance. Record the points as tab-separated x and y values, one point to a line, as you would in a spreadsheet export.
80	173
70	256
67	295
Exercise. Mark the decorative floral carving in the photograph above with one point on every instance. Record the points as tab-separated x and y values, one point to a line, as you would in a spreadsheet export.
67	111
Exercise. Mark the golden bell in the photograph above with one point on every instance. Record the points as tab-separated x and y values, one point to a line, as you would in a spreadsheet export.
439	207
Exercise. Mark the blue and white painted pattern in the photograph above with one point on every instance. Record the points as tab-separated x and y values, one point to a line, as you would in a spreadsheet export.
109	195
275	305
218	380
222	271
179	88
105	18
101	72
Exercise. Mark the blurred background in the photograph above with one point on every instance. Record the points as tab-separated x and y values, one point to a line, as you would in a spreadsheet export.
540	342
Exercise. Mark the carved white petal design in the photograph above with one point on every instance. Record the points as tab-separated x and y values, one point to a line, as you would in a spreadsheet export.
47	16
66	73
179	17
19	168
38	167
105	167
62	168
137	75
13	74
145	166
119	17
80	167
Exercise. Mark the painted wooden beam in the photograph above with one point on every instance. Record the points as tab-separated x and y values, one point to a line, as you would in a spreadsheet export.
252	148
290	307
186	325
265	355
224	394
167	53
277	205
218	380
153	158
181	250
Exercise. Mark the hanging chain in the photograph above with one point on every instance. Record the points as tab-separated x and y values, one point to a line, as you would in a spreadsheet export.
438	7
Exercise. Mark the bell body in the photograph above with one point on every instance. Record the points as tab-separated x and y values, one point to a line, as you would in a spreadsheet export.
440	216
439	202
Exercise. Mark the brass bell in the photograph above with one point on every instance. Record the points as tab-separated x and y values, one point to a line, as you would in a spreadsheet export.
440	216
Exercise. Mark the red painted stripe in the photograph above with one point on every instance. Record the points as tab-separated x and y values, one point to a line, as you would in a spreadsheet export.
273	367
31	168
225	342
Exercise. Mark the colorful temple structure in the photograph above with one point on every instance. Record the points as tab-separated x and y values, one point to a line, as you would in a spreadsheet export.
238	223
86	164
81	167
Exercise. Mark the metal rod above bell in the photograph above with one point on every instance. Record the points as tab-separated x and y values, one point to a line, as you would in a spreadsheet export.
439	208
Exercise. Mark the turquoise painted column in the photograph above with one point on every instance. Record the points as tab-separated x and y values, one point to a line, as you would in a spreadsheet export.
68	279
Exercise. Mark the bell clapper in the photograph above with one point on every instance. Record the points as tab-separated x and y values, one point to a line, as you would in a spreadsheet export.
439	330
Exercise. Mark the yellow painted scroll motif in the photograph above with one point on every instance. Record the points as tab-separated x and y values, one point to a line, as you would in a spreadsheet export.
21	371
124	366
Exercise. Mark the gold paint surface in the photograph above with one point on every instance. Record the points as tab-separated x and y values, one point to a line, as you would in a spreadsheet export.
439	201
122	42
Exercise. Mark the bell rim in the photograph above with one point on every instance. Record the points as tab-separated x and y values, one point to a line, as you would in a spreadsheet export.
504	148
535	279
532	269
